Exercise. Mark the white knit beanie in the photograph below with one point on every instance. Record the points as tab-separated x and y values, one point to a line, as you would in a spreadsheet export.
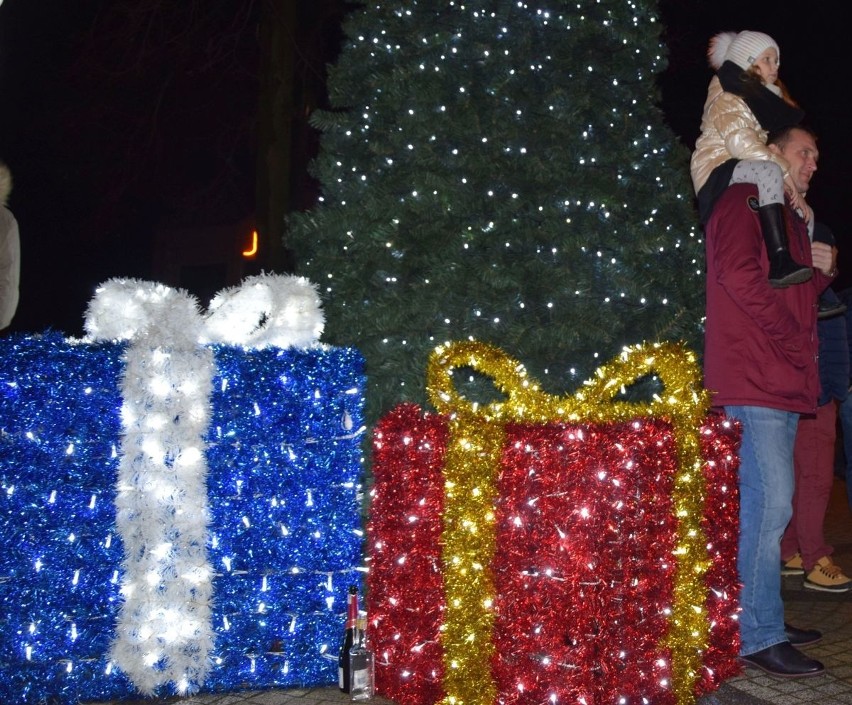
741	48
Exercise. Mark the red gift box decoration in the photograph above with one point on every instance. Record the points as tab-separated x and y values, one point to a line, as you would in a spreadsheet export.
554	549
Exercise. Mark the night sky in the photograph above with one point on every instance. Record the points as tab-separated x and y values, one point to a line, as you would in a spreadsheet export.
102	150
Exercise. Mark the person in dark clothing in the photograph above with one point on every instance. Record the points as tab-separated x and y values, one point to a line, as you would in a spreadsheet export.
803	547
845	412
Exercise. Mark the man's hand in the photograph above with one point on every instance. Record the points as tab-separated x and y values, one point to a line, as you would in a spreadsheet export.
824	258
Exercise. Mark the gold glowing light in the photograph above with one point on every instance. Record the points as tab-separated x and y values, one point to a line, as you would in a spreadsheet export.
252	250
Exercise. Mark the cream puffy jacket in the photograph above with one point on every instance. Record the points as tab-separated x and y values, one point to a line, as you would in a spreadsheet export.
729	129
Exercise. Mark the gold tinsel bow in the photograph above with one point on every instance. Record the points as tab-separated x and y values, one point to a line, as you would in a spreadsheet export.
472	463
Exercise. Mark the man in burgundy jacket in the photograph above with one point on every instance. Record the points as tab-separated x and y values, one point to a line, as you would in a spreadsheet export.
760	363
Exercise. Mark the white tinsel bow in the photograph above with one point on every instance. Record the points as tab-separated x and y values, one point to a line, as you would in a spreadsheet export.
164	632
265	310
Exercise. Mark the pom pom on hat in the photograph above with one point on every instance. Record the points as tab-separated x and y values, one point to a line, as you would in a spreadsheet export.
740	48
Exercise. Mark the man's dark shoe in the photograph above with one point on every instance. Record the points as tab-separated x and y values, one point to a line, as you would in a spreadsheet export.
801	637
784	661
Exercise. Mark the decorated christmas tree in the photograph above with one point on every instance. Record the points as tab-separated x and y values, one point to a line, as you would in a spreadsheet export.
500	172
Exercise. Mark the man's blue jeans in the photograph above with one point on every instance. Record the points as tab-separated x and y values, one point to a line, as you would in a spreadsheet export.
766	494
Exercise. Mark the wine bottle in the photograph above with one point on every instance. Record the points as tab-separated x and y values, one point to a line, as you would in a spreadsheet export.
343	680
361	673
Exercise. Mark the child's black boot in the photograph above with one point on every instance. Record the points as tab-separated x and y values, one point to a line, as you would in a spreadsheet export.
783	270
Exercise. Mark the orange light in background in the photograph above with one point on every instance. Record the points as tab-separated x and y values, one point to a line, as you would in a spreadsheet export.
252	250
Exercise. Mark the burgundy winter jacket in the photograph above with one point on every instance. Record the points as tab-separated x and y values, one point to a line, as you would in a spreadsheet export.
760	345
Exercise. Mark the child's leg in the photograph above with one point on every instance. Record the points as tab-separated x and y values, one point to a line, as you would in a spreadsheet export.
769	179
766	175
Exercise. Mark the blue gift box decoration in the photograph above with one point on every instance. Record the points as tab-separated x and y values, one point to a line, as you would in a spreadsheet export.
180	496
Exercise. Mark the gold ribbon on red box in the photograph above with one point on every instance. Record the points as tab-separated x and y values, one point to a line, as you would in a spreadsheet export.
473	455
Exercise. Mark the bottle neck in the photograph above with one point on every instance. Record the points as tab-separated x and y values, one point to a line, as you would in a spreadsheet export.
352	611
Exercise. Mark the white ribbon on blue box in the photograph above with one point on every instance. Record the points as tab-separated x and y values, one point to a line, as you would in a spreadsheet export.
180	496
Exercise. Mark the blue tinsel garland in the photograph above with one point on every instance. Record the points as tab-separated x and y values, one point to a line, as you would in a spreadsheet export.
284	472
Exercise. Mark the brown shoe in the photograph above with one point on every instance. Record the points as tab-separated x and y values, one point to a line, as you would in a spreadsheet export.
793	566
827	577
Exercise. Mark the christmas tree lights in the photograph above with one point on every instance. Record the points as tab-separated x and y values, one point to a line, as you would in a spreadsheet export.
500	172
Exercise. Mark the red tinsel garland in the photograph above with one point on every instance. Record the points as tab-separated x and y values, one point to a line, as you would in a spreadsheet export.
554	549
583	567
